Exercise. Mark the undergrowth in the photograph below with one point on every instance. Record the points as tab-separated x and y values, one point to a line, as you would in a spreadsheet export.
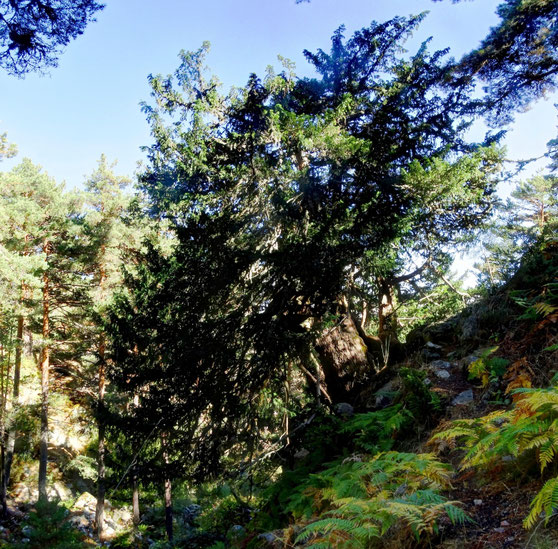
356	501
529	429
48	526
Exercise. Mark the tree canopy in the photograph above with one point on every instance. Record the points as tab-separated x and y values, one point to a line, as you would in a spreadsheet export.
33	32
278	193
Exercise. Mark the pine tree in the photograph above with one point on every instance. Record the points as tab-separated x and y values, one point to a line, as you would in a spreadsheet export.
109	237
41	243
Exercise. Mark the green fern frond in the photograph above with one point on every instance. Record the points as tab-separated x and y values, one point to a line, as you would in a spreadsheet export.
547	452
400	488
537	399
545	501
531	425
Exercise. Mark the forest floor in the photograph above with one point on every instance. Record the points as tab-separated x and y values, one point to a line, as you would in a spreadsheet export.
498	501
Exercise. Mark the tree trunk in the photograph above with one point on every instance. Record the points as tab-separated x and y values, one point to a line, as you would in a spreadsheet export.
4	383
10	444
135	480
168	490
135	498
101	487
387	319
45	363
345	360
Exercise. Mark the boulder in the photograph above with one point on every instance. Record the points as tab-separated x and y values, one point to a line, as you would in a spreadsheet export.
191	512
463	398
60	491
386	395
444	364
344	409
85	501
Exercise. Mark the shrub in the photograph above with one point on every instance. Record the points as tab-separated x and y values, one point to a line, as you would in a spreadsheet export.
48	526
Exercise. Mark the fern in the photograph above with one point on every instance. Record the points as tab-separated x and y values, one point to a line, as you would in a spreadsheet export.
356	502
545	501
531	426
487	368
375	431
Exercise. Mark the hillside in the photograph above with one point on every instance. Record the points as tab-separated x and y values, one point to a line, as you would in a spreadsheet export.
465	368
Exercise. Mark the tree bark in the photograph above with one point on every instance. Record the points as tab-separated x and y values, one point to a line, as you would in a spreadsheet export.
135	480
387	319
101	485
168	489
45	364
344	359
10	444
135	498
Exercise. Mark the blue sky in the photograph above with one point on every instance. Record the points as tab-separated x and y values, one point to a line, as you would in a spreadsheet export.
90	104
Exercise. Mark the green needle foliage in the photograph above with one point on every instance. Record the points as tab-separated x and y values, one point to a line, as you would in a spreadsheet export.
277	192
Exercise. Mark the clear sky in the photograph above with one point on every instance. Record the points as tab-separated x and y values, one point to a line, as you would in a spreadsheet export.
90	104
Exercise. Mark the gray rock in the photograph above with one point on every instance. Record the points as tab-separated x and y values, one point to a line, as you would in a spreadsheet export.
477	502
191	513
109	532
464	362
430	354
301	454
386	395
268	537
79	521
463	398
236	531
431	351
441	364
60	491
442	374
469	327
443	331
344	409
85	500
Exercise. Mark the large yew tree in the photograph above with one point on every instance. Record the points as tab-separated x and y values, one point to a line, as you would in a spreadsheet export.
283	195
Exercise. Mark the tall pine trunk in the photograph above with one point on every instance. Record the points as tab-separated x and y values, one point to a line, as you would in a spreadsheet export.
135	480
10	444
45	364
135	498
4	388
101	486
168	489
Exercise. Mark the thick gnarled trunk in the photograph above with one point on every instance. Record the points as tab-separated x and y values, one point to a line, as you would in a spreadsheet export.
345	360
